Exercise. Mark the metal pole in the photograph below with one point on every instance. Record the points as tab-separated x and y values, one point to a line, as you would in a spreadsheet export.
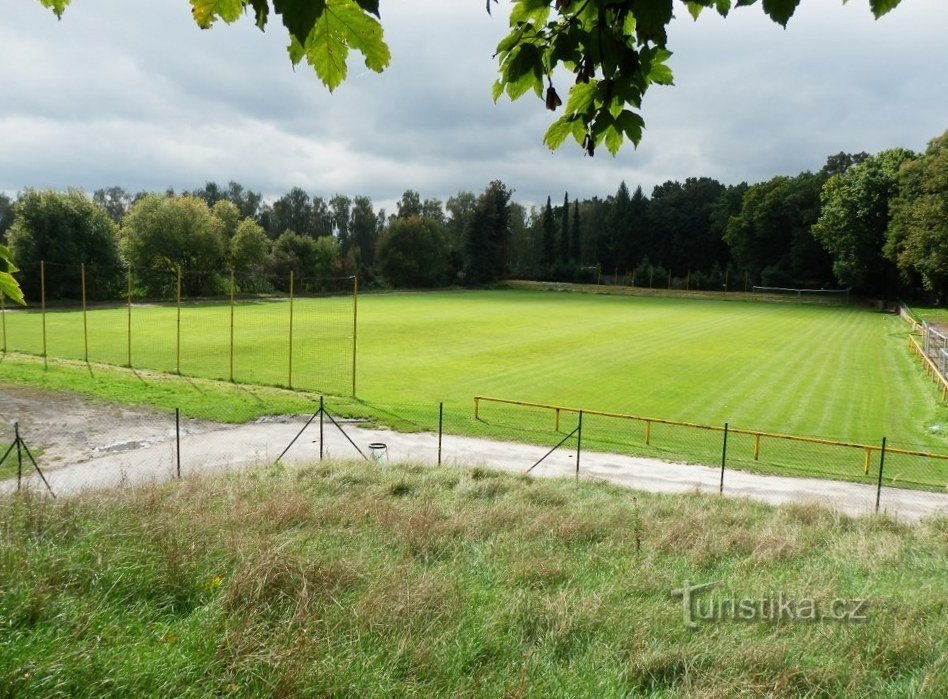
355	328
579	442
440	428
177	438
881	466
232	325
290	375
322	410
19	456
129	316
723	460
43	305
85	323
177	355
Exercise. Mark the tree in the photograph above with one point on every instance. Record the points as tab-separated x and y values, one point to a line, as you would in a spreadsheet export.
488	235
6	215
64	229
341	208
229	216
162	233
460	211
854	219
292	212
548	249
679	216
290	252
562	252
114	200
770	238
248	247
918	231
575	252
363	232
413	252
409	205
615	49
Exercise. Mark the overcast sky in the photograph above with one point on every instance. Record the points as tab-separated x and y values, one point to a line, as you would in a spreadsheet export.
132	93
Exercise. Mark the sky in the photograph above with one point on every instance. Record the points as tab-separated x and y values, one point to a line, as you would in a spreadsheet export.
132	93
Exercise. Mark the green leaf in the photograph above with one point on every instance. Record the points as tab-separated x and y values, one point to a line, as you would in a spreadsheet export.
497	90
57	6
631	124
581	97
695	10
780	11
8	285
613	139
299	16
206	12
558	131
261	10
342	25
880	7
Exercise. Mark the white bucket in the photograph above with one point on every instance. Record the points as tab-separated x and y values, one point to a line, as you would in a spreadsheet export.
378	452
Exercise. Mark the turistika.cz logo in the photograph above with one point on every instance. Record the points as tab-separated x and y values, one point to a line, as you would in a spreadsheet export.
699	605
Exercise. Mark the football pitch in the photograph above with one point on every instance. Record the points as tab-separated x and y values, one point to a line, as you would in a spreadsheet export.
833	372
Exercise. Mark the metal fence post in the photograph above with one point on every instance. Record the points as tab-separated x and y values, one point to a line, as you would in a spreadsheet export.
19	456
231	372
881	466
43	305
579	442
177	351
440	428
289	382
723	460
129	316
85	323
322	410
355	328
177	440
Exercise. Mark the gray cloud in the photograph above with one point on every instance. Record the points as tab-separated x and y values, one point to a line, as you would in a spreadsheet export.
132	93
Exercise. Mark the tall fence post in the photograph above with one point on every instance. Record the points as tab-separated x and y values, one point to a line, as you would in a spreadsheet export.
355	328
440	428
232	325
43	305
177	350
881	466
85	322
723	460
129	316
322	411
19	456
579	442
289	381
177	440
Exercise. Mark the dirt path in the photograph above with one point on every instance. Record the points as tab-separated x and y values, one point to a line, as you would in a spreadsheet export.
143	450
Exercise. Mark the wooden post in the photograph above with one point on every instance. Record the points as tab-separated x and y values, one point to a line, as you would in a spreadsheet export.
648	432
177	350
290	375
85	323
43	305
232	325
355	328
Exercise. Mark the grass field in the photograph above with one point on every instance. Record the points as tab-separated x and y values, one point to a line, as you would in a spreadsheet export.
835	372
351	580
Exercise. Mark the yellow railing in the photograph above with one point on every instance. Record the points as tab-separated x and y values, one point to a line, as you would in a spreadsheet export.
933	372
868	449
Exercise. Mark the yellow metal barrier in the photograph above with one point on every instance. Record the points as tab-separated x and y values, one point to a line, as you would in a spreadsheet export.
930	366
869	449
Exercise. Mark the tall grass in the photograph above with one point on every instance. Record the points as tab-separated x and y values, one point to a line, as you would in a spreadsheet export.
350	580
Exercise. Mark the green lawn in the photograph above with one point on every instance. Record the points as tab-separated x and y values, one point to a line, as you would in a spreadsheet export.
835	372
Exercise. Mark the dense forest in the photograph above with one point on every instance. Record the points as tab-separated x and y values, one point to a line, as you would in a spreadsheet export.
876	224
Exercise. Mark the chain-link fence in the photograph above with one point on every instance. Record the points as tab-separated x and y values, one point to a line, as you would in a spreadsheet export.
253	327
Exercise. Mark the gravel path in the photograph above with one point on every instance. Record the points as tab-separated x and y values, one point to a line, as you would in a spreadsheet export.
113	447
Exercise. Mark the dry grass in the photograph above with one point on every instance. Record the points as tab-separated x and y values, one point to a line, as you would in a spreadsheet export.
346	579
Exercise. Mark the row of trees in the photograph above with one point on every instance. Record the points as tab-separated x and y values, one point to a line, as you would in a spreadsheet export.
873	223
